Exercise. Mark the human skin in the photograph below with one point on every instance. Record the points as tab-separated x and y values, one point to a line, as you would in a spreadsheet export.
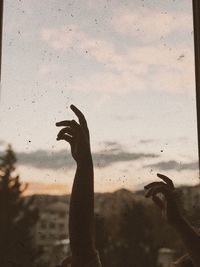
81	214
169	207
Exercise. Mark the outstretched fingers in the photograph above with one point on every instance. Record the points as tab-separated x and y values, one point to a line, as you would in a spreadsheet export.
68	123
66	130
153	184
166	180
66	134
65	137
80	116
150	192
155	188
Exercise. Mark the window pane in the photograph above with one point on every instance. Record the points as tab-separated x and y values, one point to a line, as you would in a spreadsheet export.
129	65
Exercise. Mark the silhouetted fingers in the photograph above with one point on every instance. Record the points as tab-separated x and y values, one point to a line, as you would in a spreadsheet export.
65	134
64	123
148	192
67	130
153	184
80	116
65	137
166	180
73	124
163	190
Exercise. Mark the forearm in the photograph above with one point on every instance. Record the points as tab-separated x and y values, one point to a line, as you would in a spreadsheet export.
190	238
81	218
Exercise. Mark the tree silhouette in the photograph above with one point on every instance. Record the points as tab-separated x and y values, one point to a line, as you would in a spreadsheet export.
17	217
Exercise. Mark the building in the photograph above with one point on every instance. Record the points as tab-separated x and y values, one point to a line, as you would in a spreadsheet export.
190	196
52	225
165	257
59	251
51	230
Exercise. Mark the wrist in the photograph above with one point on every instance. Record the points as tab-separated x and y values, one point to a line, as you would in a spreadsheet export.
85	160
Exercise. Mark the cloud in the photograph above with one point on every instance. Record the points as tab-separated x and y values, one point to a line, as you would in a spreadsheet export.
146	141
140	67
71	36
46	159
46	189
111	143
107	158
60	159
2	142
148	25
174	165
112	146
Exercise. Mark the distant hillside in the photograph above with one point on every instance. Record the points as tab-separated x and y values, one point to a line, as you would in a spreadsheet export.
107	203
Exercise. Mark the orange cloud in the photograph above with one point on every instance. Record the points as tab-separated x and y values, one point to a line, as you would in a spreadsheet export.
44	188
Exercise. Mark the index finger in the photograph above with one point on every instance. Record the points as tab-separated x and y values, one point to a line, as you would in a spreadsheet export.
80	116
153	184
166	180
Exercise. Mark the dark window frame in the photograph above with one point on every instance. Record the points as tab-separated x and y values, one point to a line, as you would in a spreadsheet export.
196	20
1	30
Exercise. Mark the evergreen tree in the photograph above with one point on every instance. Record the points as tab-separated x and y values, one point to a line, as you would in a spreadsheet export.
17	217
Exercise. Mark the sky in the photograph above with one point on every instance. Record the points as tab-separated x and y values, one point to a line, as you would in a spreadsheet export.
128	65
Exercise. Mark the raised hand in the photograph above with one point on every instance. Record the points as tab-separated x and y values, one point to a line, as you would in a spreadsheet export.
81	211
168	205
76	134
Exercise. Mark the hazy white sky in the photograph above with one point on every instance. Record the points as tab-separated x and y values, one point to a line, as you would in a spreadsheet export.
129	65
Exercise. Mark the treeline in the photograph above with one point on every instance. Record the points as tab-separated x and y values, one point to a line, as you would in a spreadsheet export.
17	218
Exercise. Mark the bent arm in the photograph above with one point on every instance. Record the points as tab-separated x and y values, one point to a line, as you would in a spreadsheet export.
189	236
